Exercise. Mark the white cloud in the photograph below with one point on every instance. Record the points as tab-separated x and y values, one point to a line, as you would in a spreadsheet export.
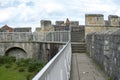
6	14
53	7
20	13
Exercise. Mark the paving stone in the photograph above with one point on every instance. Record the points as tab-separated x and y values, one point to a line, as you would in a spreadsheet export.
83	68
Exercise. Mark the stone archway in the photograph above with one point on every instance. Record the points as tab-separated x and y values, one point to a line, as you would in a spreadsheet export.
17	52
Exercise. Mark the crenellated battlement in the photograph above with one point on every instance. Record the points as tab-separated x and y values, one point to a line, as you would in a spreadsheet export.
97	20
94	20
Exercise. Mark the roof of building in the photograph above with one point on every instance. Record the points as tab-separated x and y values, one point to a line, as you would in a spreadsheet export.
6	27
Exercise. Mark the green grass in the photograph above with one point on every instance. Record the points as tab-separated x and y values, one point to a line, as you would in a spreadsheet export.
13	73
110	78
10	74
19	71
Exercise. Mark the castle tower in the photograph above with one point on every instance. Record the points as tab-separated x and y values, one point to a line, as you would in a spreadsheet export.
46	25
114	20
94	20
94	23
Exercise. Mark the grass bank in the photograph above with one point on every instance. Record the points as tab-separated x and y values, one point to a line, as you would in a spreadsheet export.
23	69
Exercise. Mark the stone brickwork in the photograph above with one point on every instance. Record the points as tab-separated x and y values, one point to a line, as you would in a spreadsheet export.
74	23
96	23
60	23
38	29
104	47
22	49
114	20
24	29
32	45
94	19
46	25
59	26
20	37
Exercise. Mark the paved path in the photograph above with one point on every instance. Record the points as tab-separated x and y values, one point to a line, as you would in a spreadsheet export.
84	69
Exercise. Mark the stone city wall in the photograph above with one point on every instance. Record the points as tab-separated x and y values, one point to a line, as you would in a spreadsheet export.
97	29
104	48
20	36
96	23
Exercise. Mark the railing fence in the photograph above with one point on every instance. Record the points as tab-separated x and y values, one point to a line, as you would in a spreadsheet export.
58	68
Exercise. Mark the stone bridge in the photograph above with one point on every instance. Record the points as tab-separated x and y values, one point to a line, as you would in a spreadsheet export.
19	49
30	45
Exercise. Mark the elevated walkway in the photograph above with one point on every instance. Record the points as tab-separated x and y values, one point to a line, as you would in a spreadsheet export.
67	66
83	68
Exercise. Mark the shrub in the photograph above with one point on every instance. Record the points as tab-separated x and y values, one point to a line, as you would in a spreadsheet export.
20	64
23	62
1	60
6	59
28	77
35	65
22	69
12	59
32	67
7	66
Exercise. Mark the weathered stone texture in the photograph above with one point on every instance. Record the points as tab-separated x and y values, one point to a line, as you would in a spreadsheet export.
24	29
104	47
74	23
30	45
96	23
27	48
46	25
60	23
94	19
98	29
59	28
114	20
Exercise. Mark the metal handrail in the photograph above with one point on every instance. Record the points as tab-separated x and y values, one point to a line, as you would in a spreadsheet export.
58	68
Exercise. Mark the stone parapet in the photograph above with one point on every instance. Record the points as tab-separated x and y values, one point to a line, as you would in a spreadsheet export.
104	48
74	23
94	19
97	20
114	20
60	23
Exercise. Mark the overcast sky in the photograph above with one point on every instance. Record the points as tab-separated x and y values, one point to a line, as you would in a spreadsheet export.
28	13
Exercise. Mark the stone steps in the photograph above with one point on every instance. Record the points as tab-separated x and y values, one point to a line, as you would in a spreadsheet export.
76	37
78	48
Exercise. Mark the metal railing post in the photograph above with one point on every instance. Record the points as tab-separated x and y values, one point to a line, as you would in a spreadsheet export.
58	68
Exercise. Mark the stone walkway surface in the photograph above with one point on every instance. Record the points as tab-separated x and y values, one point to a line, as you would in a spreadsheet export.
83	68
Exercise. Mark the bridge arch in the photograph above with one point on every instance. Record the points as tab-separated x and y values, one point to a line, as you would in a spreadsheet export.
17	52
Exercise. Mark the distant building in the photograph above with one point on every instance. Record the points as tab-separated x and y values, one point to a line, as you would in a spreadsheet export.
59	23
38	29
46	25
59	26
6	28
24	29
